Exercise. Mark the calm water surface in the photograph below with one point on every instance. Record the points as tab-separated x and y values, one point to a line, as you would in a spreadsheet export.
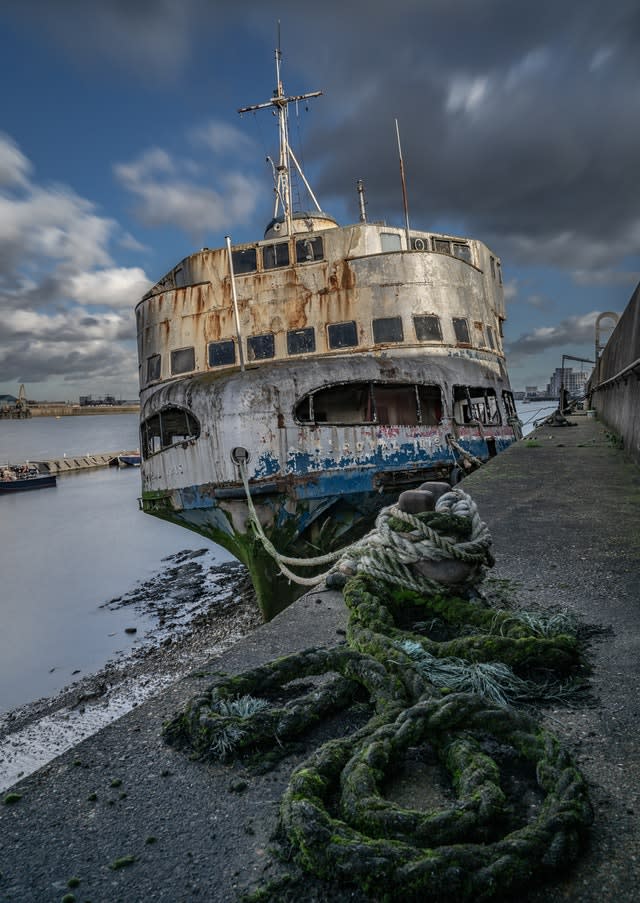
66	550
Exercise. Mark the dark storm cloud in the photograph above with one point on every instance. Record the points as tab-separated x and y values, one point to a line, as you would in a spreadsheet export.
520	122
526	132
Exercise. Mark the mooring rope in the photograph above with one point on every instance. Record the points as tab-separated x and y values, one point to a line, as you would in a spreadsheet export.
387	552
463	451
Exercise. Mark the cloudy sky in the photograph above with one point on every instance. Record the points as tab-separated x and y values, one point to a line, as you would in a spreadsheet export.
121	152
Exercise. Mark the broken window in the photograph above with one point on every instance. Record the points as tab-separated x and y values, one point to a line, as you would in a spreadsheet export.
301	341
475	404
244	261
171	426
509	403
274	256
428	328
308	249
183	360
261	347
387	404
342	335
153	367
221	353
388	329
461	329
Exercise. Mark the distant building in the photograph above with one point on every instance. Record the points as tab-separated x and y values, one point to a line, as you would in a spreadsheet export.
573	381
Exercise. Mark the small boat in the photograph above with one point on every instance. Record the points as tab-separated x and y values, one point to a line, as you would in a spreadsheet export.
129	460
21	477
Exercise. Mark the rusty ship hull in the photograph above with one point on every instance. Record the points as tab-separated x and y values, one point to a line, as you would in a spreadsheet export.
343	378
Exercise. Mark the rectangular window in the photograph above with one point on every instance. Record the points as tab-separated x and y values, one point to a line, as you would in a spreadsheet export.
153	368
493	266
441	245
461	329
499	273
388	329
492	341
221	353
342	335
301	341
308	249
183	360
390	241
178	276
260	347
244	261
428	329
463	251
275	256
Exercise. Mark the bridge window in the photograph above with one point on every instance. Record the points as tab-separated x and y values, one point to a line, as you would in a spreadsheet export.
221	353
342	335
244	261
261	347
183	360
492	341
301	341
171	426
388	329
442	245
308	249
275	256
390	241
153	368
428	329
461	329
462	250
386	404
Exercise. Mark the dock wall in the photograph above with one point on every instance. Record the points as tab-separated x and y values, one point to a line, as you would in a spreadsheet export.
615	384
76	410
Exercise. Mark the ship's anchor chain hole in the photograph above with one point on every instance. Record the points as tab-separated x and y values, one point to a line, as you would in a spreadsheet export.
435	674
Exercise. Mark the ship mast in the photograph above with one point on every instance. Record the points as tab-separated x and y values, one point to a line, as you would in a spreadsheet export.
282	172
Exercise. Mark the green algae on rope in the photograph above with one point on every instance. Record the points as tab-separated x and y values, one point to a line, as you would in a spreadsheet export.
334	813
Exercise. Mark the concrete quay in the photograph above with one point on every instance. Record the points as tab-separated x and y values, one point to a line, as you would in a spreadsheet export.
563	507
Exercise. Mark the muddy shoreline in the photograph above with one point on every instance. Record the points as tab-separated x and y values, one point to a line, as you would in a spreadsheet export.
197	607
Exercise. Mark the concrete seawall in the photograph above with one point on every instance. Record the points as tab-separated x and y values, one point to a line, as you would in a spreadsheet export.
562	508
80	462
615	384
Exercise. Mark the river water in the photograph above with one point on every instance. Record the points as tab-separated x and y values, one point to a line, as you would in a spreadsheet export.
65	551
